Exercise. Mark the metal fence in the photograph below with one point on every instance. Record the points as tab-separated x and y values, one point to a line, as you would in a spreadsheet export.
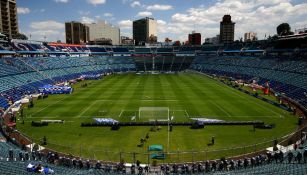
105	155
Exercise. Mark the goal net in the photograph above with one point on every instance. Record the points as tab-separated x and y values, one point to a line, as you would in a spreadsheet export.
154	113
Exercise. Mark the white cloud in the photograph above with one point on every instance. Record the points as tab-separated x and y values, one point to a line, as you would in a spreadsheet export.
87	20
125	24
96	2
260	16
135	4
61	1
159	7
46	25
50	30
108	15
23	10
84	13
48	35
161	22
144	14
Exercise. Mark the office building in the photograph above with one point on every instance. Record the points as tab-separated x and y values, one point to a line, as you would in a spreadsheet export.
250	36
227	30
8	18
145	31
76	33
195	38
126	40
104	31
214	40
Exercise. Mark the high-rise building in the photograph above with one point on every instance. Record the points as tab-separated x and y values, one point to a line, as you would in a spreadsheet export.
126	40
76	33
214	40
250	36
227	30
145	31
195	38
8	18
103	30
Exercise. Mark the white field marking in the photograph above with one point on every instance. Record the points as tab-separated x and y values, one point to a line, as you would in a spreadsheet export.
140	100
159	100
54	123
221	108
95	116
86	109
49	105
121	112
59	117
249	116
242	96
186	113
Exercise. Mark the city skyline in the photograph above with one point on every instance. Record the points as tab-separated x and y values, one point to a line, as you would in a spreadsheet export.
175	20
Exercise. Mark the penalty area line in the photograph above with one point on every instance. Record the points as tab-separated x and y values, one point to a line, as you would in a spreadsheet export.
86	109
121	112
186	113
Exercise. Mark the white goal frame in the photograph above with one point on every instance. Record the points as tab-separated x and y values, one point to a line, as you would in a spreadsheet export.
154	109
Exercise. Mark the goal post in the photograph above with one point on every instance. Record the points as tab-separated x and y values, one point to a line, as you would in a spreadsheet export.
154	113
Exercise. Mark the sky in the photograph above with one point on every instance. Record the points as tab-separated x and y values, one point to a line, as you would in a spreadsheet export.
44	20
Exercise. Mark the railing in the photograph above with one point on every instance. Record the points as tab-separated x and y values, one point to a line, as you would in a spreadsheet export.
174	156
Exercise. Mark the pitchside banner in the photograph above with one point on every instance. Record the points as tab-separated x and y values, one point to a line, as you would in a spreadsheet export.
53	89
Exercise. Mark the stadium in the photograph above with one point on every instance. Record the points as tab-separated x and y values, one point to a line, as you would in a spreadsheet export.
231	108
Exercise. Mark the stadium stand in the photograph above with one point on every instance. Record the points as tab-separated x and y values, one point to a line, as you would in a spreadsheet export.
287	161
285	76
283	66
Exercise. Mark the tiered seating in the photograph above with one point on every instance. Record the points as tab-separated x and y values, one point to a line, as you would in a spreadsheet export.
286	76
187	49
142	50
165	50
97	49
32	47
24	75
233	47
210	48
3	103
120	50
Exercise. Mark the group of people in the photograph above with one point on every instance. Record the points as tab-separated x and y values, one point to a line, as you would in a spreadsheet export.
38	168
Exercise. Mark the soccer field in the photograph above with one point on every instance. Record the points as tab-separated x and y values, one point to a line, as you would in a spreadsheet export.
186	95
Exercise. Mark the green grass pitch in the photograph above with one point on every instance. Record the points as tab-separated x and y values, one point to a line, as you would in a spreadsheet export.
186	95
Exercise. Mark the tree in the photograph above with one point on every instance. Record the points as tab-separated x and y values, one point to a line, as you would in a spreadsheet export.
284	29
177	43
152	39
21	36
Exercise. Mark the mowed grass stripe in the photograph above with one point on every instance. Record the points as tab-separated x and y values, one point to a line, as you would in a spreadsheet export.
64	104
177	93
125	88
159	93
222	100
204	94
236	101
180	93
78	107
116	91
177	107
134	102
251	100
